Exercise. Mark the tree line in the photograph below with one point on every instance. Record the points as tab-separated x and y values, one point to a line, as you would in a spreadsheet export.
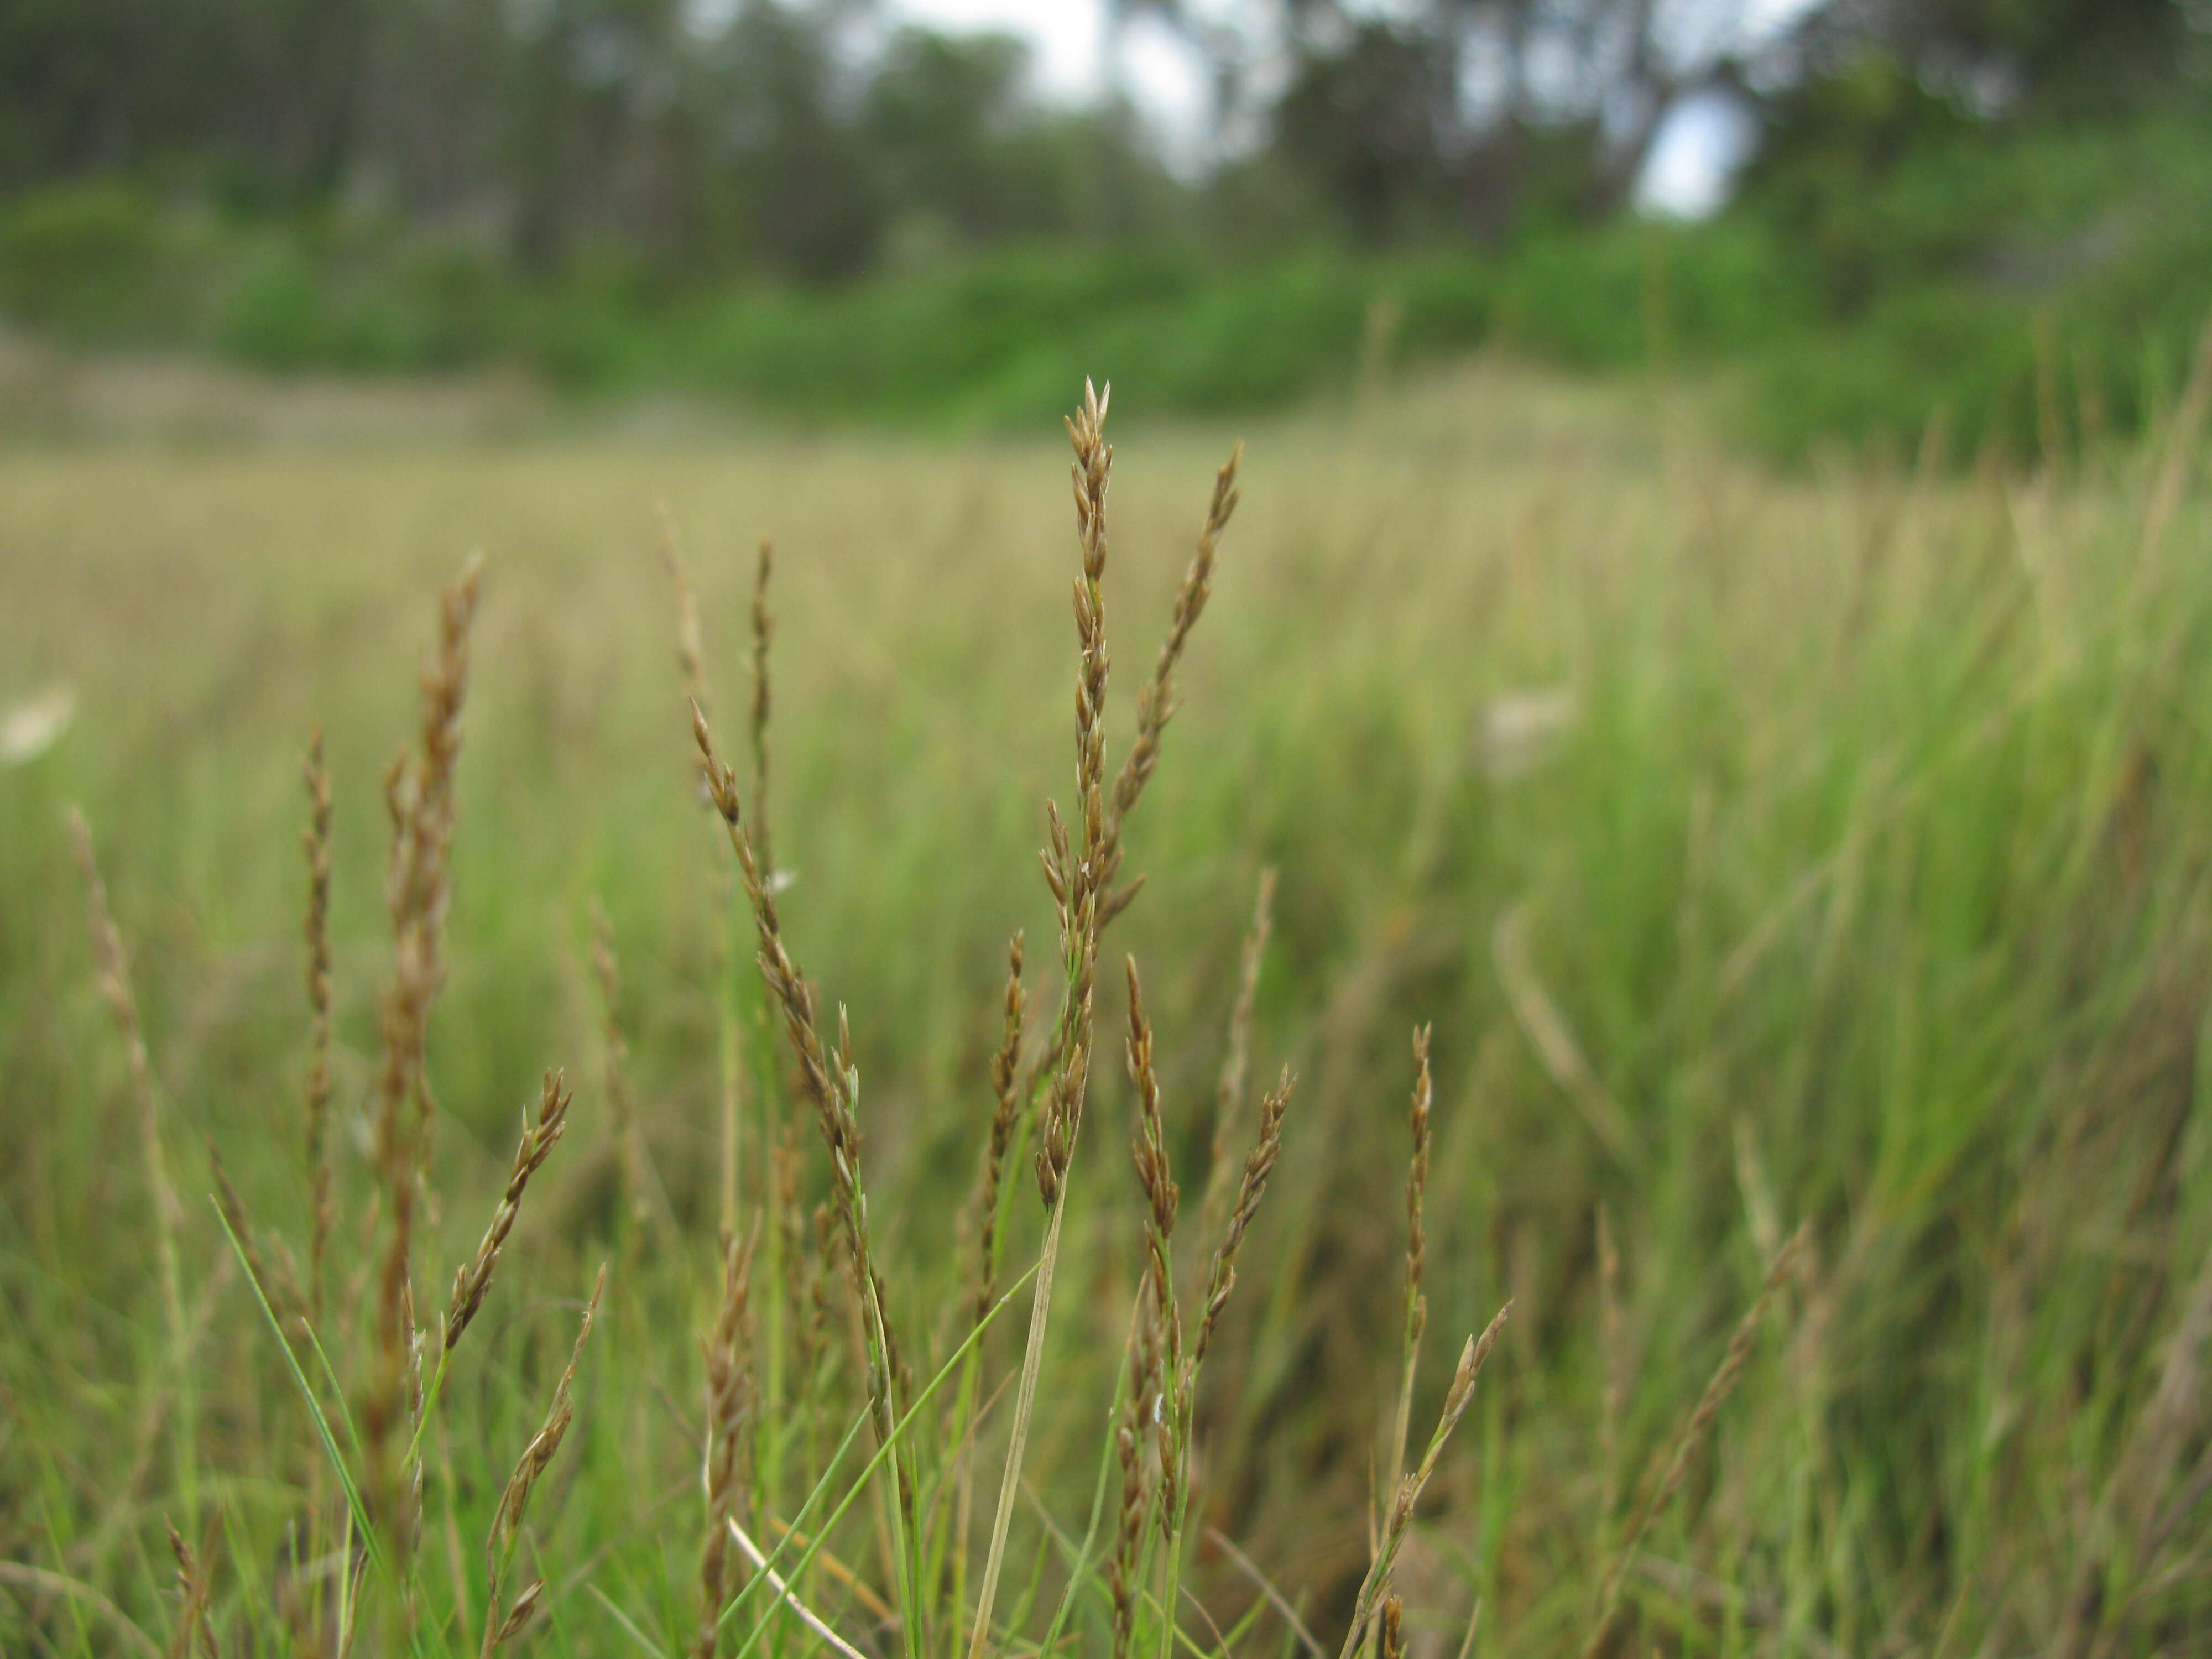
817	139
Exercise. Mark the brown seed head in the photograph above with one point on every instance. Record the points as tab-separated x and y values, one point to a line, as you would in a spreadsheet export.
1257	1167
1007	1090
474	1279
1416	1183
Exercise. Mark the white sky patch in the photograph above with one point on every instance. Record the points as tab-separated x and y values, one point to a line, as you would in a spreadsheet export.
1165	74
1764	19
1700	144
1169	83
1066	35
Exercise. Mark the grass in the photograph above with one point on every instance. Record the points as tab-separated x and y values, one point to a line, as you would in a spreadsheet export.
1764	854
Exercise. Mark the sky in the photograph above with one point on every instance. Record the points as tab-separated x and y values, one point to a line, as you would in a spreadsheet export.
1700	146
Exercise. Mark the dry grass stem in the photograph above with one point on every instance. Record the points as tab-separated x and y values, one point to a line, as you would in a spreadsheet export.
1269	1592
1546	1028
539	1135
806	1614
763	700
1416	1307
317	838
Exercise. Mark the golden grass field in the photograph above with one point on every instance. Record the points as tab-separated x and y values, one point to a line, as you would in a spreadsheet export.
1827	850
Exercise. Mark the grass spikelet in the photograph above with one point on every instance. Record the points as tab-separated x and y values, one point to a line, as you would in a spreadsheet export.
316	839
473	1279
729	1405
1156	703
1157	1181
1079	871
1258	1166
1400	1516
1172	1397
823	1082
1005	1091
195	1587
515	1501
1153	1174
1124	1562
1394	1633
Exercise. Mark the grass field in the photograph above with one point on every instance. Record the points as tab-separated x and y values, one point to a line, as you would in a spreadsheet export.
1831	852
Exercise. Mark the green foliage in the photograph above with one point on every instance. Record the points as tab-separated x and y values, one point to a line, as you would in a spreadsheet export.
97	262
1980	275
1887	267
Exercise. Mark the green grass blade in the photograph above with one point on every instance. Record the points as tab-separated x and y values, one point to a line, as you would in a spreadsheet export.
307	1393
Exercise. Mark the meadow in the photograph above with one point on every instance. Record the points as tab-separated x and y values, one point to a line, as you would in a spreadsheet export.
1805	880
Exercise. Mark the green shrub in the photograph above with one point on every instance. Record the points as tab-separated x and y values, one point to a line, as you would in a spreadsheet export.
95	262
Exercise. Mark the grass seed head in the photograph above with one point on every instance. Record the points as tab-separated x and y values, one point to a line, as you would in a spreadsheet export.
473	1279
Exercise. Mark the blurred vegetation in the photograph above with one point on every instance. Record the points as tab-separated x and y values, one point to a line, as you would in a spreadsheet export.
1976	218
